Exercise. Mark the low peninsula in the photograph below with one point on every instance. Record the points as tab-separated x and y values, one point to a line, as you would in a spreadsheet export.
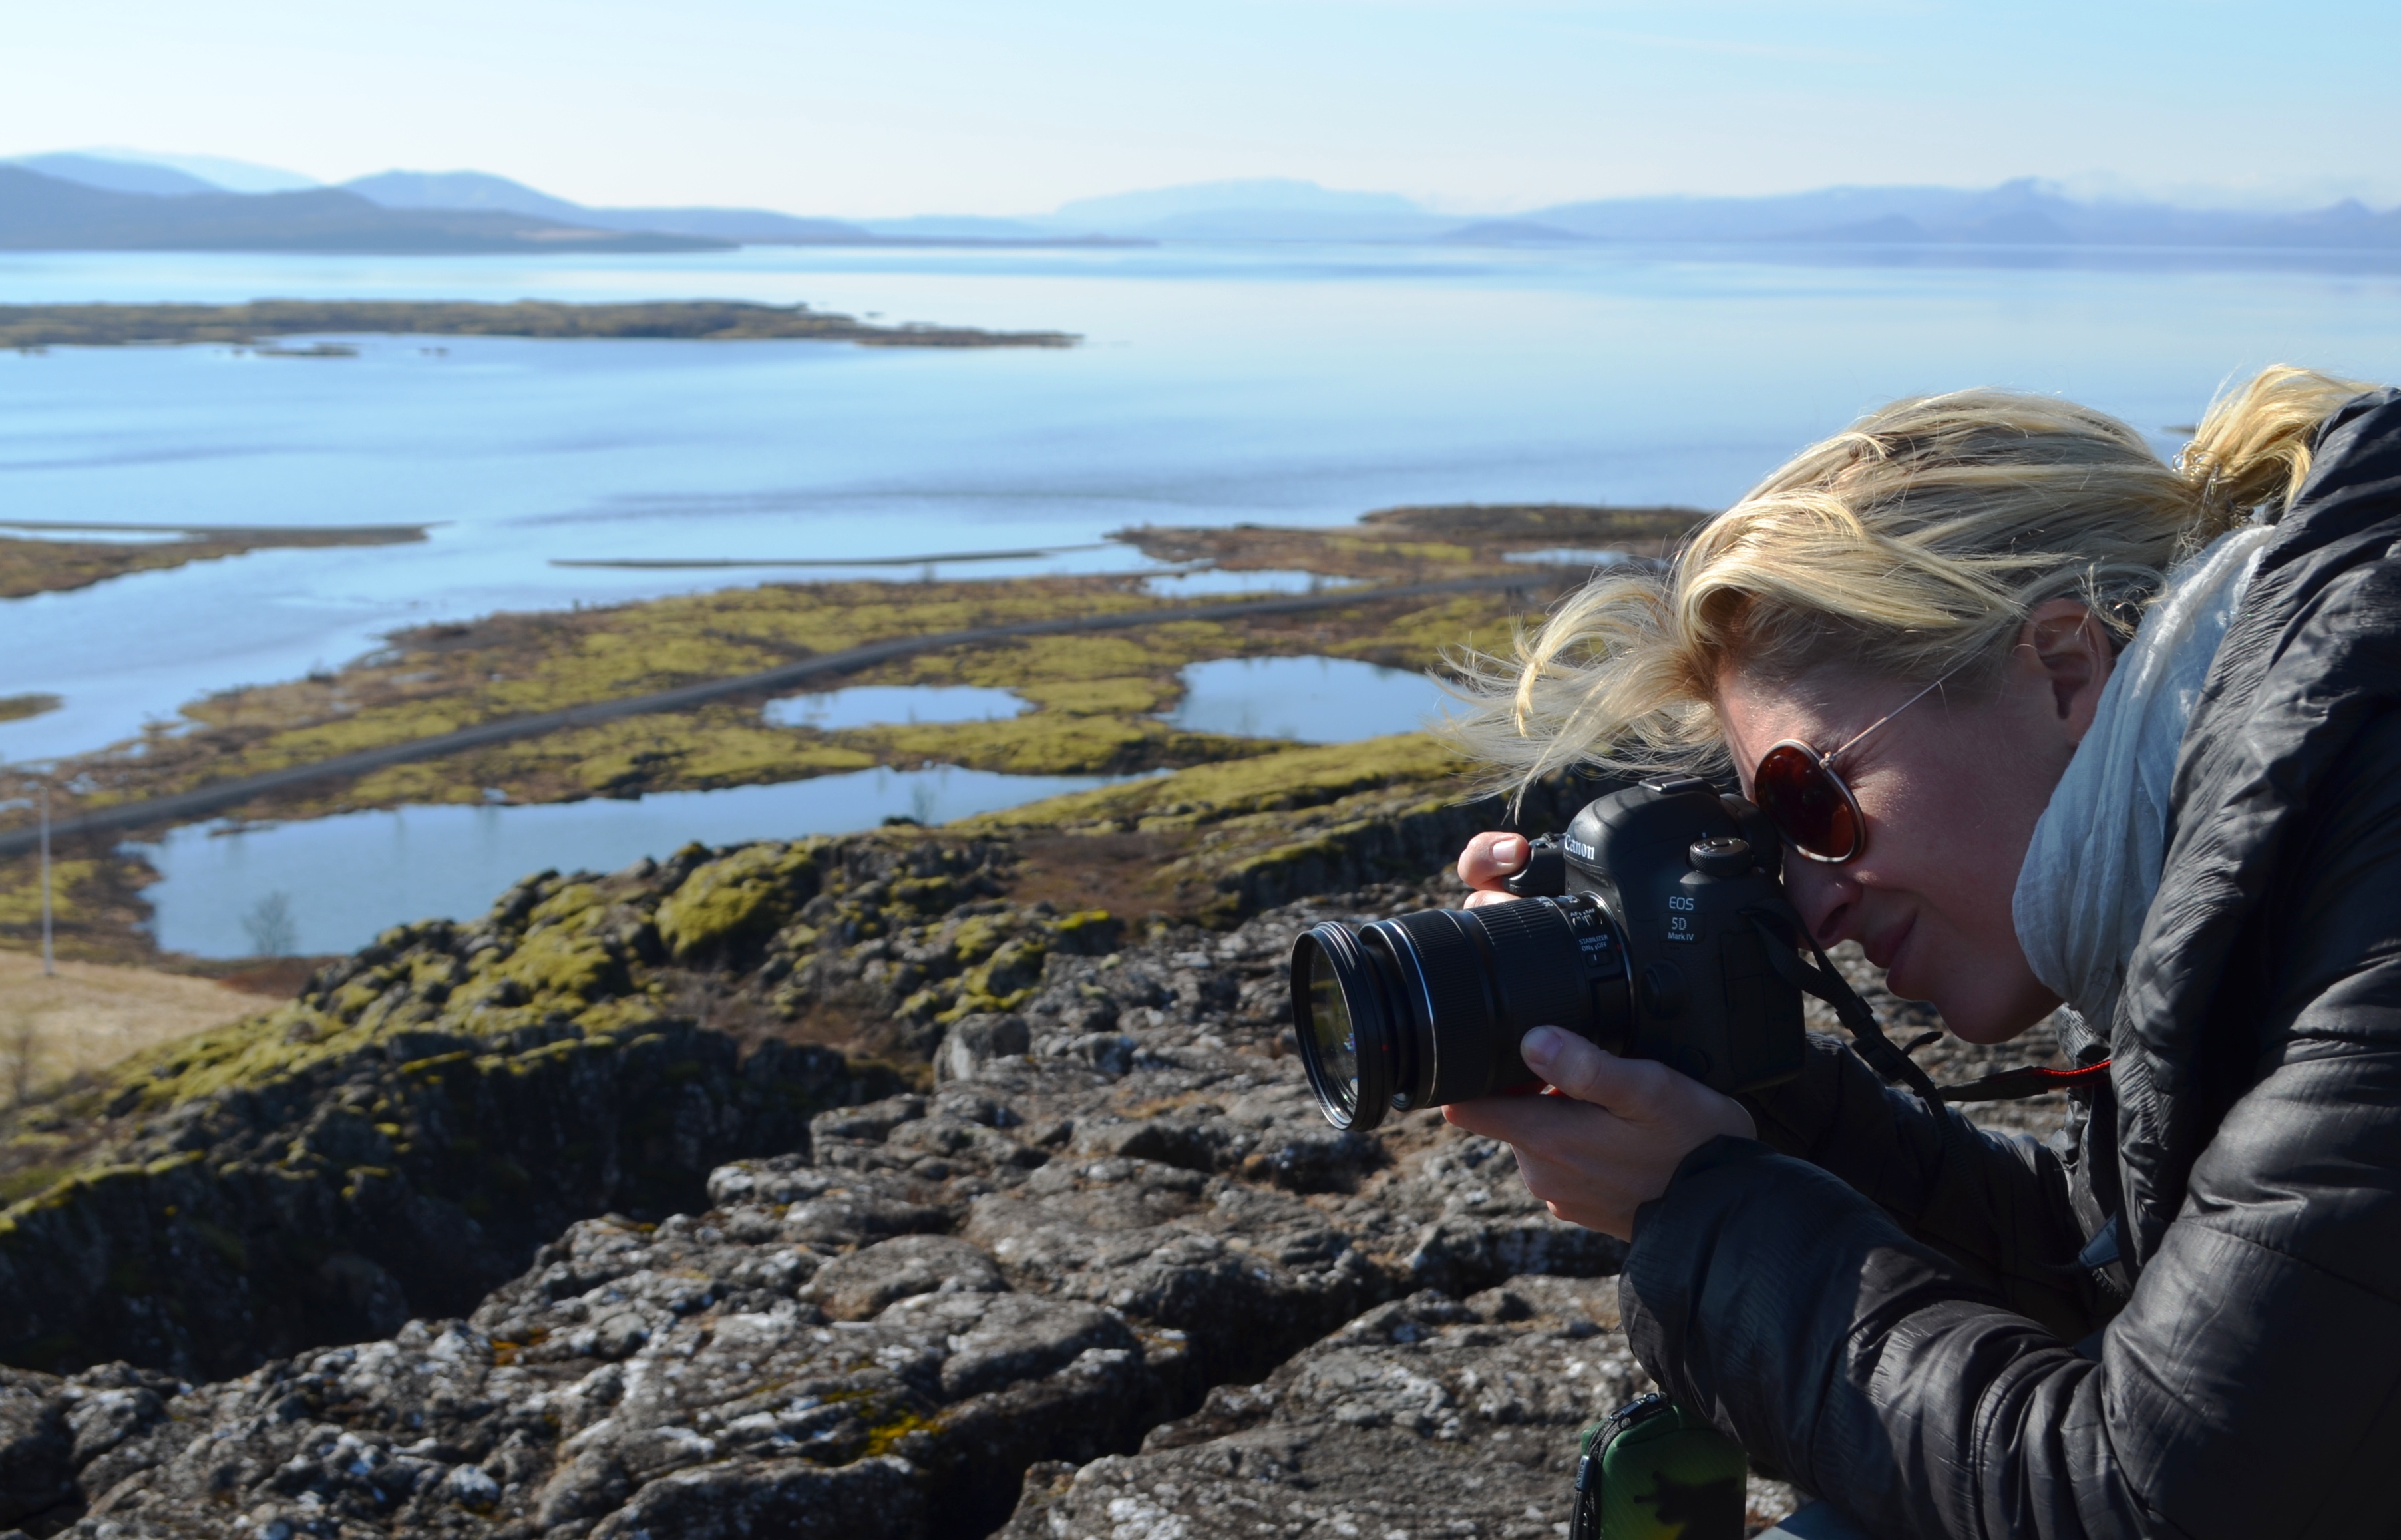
46	556
38	327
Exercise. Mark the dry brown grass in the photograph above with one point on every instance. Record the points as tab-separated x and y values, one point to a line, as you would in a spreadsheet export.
92	1014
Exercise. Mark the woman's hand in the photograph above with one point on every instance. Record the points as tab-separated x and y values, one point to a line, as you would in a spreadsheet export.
1612	1135
1489	861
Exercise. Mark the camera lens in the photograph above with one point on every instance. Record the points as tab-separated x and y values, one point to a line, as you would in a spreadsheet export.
1429	1008
1334	1043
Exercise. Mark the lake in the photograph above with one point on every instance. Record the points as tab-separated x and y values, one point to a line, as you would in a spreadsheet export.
1218	383
340	881
1275	383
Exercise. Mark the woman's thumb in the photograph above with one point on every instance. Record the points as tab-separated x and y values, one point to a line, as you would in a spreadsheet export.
1578	1069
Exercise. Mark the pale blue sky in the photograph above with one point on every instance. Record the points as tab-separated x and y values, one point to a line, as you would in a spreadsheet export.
1002	106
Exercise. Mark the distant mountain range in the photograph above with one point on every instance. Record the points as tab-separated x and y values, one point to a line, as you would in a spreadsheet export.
480	190
123	199
40	212
2016	213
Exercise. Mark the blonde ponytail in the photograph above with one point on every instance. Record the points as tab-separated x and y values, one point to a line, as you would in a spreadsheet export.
1911	546
2252	451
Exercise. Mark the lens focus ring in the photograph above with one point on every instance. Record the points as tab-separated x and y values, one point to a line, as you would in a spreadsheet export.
1539	967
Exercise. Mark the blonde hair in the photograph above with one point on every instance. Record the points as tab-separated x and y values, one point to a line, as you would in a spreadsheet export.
1911	546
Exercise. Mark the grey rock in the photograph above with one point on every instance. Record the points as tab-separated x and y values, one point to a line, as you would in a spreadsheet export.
976	1040
1429	1416
859	1287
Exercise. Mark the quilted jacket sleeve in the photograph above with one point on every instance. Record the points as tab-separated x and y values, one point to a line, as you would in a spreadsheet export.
1995	1204
2251	1387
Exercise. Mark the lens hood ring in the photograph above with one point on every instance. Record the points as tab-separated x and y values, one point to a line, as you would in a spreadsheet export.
1330	956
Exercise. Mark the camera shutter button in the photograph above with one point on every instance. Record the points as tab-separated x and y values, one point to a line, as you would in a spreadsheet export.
1721	856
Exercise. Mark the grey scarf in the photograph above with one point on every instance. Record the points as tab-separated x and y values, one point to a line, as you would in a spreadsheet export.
2094	865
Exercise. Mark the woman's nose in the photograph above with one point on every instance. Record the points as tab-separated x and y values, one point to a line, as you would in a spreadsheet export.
1824	895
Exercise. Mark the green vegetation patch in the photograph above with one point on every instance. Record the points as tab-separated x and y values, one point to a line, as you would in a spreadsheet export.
739	899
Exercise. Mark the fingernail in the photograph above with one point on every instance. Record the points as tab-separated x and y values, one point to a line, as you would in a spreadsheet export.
1539	1048
1510	847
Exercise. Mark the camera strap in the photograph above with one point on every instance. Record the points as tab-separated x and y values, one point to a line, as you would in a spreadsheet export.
1785	935
1869	1041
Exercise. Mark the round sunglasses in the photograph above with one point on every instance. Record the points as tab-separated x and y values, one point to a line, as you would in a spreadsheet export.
1798	790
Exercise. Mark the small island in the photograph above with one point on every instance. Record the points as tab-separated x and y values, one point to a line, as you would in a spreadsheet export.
45	557
39	326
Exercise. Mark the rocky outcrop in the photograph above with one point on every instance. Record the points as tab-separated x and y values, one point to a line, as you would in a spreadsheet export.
546	1227
1426	1416
399	1138
1041	1259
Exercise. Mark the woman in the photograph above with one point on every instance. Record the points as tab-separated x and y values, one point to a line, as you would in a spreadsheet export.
2042	719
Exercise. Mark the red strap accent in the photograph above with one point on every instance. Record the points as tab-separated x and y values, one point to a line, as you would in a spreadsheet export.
2011	1085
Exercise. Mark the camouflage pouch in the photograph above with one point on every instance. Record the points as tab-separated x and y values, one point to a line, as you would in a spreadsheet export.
1650	1472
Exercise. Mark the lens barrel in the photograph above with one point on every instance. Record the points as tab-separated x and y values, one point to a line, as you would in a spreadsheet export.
1427	1009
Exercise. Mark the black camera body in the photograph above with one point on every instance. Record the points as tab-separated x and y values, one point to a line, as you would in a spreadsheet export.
1652	928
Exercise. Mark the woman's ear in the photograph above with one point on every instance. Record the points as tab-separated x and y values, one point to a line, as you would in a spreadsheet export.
2066	644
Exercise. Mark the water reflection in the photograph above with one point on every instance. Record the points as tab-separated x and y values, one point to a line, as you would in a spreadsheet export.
341	880
1308	700
892	705
1216	580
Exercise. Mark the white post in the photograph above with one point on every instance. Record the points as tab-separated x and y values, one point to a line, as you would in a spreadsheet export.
46	967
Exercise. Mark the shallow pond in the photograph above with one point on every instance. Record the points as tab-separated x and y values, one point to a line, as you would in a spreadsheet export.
339	881
892	705
1308	700
1215	581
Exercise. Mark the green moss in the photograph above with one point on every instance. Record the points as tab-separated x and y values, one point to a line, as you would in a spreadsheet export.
25	1181
1210	793
884	1437
740	899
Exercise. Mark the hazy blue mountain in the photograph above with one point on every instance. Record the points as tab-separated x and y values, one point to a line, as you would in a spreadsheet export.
40	212
1281	195
458	190
242	176
1509	232
125	176
2020	212
1285	225
948	227
747	227
483	190
1682	218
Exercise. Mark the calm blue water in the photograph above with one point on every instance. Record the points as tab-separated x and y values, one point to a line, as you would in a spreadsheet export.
1287	384
344	879
1308	700
1218	384
881	705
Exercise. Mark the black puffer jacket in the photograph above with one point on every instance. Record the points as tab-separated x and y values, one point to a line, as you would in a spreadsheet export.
1899	1319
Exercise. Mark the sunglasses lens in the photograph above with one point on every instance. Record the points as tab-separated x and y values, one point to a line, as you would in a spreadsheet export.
1809	806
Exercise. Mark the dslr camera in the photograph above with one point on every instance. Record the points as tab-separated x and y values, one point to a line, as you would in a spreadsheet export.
1656	927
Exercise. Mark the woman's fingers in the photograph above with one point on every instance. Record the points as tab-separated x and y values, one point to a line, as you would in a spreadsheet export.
1630	1088
1639	1090
1490	859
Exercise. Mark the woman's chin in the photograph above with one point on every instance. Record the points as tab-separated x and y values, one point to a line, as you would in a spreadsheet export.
1976	1016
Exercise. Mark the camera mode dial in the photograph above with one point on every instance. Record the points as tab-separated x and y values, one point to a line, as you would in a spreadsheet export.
1721	856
